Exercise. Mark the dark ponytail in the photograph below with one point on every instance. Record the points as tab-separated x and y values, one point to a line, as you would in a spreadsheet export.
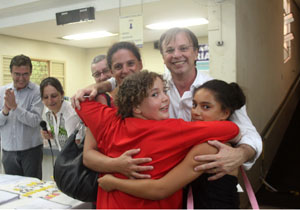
230	96
238	97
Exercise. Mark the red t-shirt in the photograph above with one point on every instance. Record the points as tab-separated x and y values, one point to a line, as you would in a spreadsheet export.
166	142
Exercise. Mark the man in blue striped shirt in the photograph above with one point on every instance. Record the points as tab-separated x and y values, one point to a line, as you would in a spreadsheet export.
21	110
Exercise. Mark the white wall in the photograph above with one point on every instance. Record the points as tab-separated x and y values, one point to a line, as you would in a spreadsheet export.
222	28
260	67
73	57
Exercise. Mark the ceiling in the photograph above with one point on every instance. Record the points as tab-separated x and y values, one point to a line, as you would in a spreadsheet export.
35	19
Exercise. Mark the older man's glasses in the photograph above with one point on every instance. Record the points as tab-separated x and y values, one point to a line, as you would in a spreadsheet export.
171	50
97	74
21	75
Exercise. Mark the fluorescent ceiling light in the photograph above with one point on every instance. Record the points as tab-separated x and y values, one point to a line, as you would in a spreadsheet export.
177	23
91	35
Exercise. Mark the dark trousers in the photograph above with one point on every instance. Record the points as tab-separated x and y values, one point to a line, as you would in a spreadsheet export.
24	163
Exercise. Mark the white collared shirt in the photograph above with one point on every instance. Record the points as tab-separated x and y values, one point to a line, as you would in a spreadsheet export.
180	107
67	121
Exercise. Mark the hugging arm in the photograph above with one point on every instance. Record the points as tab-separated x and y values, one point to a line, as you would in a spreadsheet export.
157	189
123	164
91	91
230	158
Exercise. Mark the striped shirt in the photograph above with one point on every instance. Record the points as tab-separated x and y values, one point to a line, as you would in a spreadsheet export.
20	130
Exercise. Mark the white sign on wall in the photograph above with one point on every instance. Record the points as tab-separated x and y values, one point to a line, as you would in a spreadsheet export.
131	29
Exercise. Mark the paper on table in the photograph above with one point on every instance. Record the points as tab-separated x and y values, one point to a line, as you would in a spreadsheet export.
35	203
7	196
11	179
30	189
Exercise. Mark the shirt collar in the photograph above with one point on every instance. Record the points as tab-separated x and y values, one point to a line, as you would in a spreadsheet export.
193	86
195	83
30	85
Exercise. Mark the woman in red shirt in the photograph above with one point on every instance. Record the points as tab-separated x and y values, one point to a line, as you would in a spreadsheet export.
141	121
214	100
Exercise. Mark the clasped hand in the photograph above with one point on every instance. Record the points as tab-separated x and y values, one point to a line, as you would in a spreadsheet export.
131	167
10	100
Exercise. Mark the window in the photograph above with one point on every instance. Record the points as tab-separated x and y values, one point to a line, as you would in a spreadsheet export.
287	34
40	70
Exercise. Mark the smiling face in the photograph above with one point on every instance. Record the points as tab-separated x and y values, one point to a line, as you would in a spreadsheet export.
179	54
21	76
207	108
156	105
52	98
124	63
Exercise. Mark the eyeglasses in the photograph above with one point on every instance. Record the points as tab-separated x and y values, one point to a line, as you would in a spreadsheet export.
182	48
21	75
97	74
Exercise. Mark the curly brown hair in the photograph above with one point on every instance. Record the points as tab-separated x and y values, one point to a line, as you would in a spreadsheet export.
133	90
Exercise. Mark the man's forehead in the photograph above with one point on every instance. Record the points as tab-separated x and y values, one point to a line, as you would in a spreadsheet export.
21	68
174	39
99	65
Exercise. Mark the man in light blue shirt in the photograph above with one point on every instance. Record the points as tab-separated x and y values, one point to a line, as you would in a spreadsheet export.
21	110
